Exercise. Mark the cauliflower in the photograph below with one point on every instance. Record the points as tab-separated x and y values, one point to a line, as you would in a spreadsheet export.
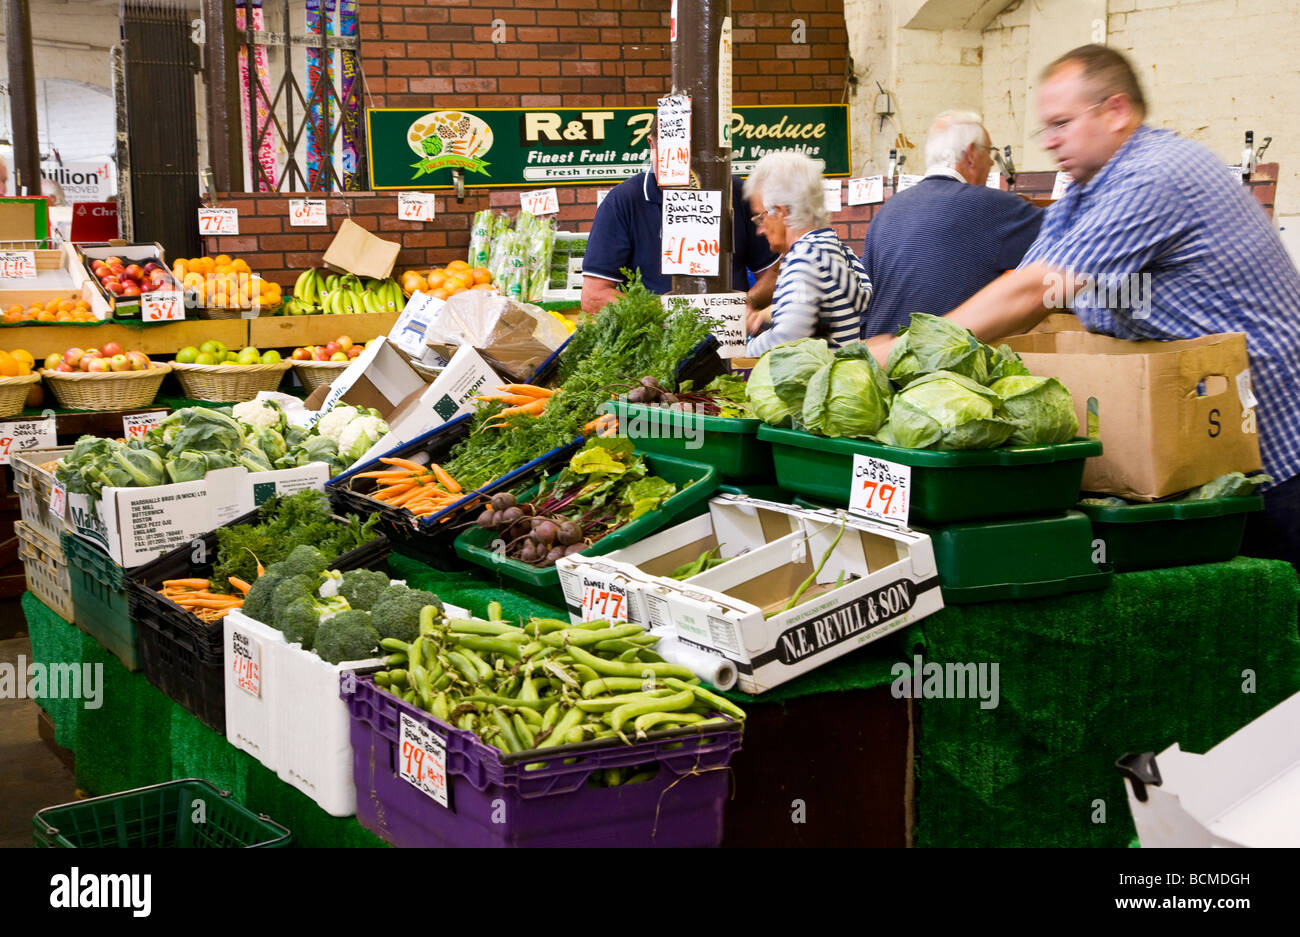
260	414
333	423
358	436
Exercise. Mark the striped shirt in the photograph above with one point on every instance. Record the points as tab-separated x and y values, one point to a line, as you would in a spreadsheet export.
1168	207
821	292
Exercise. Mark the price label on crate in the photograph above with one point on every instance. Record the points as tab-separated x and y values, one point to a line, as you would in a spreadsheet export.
540	202
415	206
602	600
673	144
18	265
58	500
869	190
26	435
306	212
162	306
423	759
135	425
246	662
216	221
692	232
881	490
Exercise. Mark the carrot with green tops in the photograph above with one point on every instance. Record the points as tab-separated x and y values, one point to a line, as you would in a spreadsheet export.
530	390
532	409
445	479
239	584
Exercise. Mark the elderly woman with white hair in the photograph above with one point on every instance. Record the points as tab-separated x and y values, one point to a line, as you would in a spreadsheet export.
822	290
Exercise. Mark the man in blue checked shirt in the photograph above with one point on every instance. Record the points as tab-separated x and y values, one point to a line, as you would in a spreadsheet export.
1177	248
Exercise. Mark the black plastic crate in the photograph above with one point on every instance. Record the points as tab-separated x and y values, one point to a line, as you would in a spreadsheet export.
702	365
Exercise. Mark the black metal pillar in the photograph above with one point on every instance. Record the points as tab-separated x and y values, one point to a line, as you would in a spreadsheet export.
221	81
696	73
22	97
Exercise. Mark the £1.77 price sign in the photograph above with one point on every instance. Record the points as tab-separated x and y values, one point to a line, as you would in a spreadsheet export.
602	601
881	490
422	759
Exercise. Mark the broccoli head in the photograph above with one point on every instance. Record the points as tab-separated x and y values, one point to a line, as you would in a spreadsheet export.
396	613
290	589
259	603
299	622
362	587
306	560
346	636
278	569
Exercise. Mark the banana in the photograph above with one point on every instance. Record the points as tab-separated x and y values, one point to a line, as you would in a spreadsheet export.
313	286
395	298
332	282
300	285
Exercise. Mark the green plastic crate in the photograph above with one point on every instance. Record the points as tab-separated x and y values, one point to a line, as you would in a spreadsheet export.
475	544
186	814
1024	558
99	602
947	487
729	444
1175	533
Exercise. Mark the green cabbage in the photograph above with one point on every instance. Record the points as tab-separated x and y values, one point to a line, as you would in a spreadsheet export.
777	384
932	343
1041	408
1004	362
944	410
848	397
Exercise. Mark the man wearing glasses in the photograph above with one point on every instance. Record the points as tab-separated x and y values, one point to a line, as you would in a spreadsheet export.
1149	205
934	246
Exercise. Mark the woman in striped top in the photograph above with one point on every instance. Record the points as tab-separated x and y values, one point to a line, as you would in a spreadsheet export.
822	290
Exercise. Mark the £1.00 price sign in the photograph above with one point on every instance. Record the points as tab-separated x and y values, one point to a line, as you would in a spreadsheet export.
422	759
162	306
26	435
881	490
306	212
18	265
673	144
218	221
692	232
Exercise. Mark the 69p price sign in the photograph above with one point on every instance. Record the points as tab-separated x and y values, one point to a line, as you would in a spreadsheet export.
881	490
422	759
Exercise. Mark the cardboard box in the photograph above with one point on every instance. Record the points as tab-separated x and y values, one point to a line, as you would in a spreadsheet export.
1159	434
1243	792
123	306
516	338
59	275
136	525
356	250
408	333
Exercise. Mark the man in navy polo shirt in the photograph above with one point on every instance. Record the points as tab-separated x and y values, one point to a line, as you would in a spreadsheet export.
627	233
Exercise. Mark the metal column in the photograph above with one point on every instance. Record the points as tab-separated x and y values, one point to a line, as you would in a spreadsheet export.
22	96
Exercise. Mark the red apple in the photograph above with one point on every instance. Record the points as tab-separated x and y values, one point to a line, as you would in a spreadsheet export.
99	365
301	354
320	354
150	266
117	289
139	360
331	347
117	269
100	269
109	349
112	260
354	351
64	366
135	272
344	342
130	290
72	357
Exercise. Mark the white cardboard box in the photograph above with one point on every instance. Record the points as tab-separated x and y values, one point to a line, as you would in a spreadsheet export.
1243	792
136	525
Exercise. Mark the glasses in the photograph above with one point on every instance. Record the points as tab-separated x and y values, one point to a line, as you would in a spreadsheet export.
758	219
1057	127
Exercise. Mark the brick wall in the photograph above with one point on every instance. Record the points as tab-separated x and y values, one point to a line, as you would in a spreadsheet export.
556	53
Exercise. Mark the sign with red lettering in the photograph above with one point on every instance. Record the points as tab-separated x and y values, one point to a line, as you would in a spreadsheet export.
673	165
162	306
881	490
422	759
306	212
218	221
692	232
93	222
18	265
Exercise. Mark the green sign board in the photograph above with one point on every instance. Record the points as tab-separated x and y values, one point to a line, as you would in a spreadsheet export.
412	148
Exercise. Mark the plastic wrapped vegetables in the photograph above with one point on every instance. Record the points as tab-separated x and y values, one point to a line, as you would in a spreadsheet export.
480	238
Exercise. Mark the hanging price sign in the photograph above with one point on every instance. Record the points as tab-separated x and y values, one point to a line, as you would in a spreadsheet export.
162	306
868	190
25	435
881	490
58	500
540	202
135	425
831	191
218	221
18	265
673	164
246	663
415	206
692	232
306	212
423	759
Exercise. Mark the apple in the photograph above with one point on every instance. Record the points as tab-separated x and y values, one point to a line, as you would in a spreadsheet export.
64	366
119	363
118	269
354	351
205	357
72	357
271	356
249	355
332	347
130	290
135	272
139	360
344	343
339	356
53	360
320	354
110	349
99	365
302	354
113	260
117	289
150	267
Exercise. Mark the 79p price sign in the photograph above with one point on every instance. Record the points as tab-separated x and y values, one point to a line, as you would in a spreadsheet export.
881	490
422	759
213	221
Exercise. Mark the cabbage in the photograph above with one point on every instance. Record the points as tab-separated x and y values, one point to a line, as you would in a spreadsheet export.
848	397
144	467
1041	408
944	410
777	384
1003	362
269	441
932	343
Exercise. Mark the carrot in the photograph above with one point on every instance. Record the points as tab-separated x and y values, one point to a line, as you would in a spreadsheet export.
260	569
382	476
407	464
531	390
532	409
502	425
239	584
186	583
447	481
509	398
210	603
393	491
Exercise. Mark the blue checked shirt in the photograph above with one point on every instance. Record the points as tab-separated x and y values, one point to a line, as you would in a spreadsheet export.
1168	207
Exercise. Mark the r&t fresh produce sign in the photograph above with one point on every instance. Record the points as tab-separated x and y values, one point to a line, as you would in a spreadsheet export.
411	148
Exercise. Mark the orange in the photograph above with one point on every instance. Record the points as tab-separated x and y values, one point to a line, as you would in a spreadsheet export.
46	317
8	365
452	291
52	306
437	278
66	305
482	275
222	260
483	286
16	307
458	265
240	265
12	316
440	294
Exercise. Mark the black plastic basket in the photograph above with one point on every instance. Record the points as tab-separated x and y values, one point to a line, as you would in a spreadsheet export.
701	366
183	656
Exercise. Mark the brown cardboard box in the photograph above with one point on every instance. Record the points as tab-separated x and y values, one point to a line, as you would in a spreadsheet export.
1159	436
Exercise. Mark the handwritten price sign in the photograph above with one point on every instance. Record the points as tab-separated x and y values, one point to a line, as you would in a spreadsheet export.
906	181
727	310
135	425
692	232
18	265
673	164
831	192
306	212
162	306
26	435
881	490
602	601
540	202
246	663
869	190
218	221
58	501
415	206
423	759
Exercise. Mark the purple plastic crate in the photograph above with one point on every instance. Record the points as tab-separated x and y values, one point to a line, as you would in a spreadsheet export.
493	801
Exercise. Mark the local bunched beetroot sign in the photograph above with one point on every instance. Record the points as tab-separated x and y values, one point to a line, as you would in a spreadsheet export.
411	148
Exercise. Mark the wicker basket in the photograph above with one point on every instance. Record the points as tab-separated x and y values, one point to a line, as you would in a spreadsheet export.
105	390
315	374
13	393
234	312
228	383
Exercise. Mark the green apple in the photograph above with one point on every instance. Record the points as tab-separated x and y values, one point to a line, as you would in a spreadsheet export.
187	355
271	357
230	357
205	357
249	355
214	348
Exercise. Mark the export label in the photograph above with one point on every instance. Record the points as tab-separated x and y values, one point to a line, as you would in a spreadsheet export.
422	759
881	490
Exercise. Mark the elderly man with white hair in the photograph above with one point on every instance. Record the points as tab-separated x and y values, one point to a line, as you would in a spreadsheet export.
934	246
821	290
